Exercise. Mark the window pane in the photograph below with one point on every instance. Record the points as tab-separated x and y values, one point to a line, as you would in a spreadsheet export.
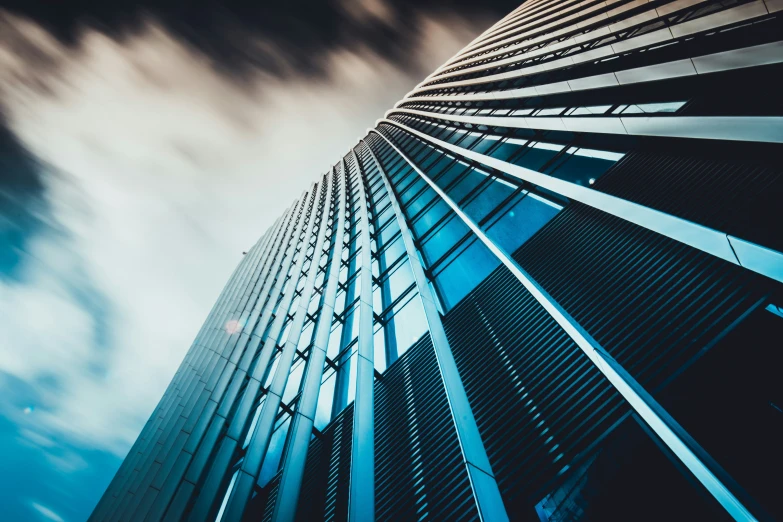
524	219
464	273
409	324
430	217
467	183
274	453
490	197
323	412
535	156
294	379
399	280
445	238
583	166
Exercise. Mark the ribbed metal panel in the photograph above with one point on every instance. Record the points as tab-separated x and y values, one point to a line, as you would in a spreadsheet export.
324	493
262	506
733	188
538	400
418	465
652	302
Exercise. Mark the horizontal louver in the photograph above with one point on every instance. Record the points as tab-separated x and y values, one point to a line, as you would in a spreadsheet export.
419	473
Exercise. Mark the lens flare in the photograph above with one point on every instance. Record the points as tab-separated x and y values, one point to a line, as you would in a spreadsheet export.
233	326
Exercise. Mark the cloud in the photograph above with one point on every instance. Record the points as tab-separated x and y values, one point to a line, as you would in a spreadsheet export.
46	513
158	172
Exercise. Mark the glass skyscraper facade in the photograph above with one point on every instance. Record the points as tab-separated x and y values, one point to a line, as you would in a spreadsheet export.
546	286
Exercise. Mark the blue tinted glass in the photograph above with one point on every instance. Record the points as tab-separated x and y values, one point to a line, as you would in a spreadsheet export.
518	224
274	453
385	215
468	182
535	157
323	412
409	324
483	145
294	379
464	273
388	232
485	201
430	217
393	251
583	166
450	174
445	237
411	190
421	201
441	165
333	347
399	280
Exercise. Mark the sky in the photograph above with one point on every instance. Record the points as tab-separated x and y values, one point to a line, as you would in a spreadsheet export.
143	147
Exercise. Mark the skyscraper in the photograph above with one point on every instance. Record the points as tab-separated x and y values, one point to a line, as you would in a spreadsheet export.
546	286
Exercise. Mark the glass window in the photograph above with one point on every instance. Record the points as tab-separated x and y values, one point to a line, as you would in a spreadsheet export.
283	337
484	144
252	428
272	368
306	337
393	251
409	324
274	453
294	380
388	232
494	193
506	149
651	108
428	219
230	489
412	190
582	166
524	219
451	174
444	238
399	280
419	202
590	111
465	272
536	155
466	184
379	350
323	412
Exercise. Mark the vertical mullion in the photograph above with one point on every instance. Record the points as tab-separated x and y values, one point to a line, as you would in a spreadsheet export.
482	479
304	416
361	504
259	443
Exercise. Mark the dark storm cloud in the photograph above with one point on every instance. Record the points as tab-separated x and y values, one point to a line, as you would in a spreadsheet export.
296	32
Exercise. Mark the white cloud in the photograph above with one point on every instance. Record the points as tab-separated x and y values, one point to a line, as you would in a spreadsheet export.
162	173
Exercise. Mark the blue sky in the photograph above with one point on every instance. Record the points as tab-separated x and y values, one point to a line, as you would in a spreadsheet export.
133	173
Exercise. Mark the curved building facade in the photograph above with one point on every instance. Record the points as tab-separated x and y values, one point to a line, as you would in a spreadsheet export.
546	286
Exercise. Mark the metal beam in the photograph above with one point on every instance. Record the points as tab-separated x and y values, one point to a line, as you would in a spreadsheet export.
648	409
482	479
